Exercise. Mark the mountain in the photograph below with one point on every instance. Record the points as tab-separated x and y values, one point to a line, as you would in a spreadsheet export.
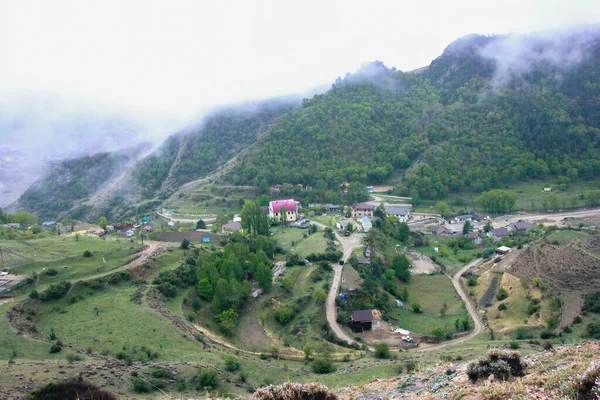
490	110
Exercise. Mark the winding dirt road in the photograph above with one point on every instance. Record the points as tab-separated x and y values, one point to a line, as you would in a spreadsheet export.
352	242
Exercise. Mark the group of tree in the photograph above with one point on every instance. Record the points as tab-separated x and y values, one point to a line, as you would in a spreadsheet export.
498	200
224	277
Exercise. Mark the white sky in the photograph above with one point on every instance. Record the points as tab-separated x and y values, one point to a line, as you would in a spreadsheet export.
171	59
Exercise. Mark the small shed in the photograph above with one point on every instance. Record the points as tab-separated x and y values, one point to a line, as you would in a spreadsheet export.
205	240
362	320
502	250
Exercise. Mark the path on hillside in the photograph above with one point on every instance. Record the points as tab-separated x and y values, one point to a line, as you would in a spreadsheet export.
477	324
349	244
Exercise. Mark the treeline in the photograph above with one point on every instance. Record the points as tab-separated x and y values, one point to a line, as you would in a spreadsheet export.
457	130
68	182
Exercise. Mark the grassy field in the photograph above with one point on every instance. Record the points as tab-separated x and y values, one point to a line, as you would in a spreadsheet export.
293	239
531	196
212	200
564	235
431	292
445	254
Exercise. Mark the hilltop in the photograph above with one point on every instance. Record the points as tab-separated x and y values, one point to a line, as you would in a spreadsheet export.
471	121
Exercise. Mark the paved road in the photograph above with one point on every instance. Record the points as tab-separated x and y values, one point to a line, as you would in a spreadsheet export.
349	244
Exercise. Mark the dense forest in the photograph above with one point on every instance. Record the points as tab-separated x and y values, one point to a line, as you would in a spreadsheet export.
448	128
194	153
480	116
69	182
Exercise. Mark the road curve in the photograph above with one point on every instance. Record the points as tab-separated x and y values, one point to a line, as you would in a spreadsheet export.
349	244
477	324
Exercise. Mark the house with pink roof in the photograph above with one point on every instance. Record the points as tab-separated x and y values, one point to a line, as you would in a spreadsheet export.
289	207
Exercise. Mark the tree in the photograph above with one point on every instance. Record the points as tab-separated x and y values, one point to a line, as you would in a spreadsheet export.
222	295
283	214
208	379
264	277
405	294
185	244
438	334
320	295
382	350
307	351
487	227
227	320
498	200
416	308
254	219
200	224
263	187
443	310
401	267
442	208
403	232
103	222
204	289
467	228
357	192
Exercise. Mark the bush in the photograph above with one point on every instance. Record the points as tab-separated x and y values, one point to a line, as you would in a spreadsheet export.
208	379
586	385
503	364
72	357
502	294
55	348
294	391
521	333
416	308
34	294
577	320
502	307
167	289
514	345
56	291
410	366
322	366
592	302
382	350
284	314
141	386
546	334
52	271
87	254
232	364
70	389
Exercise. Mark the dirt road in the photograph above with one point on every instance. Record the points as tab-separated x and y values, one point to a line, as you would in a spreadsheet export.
349	244
477	324
151	249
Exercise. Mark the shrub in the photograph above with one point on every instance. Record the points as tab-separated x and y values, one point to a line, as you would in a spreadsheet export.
577	320
232	364
55	348
546	334
382	350
294	391
322	366
52	271
503	364
208	379
514	345
502	307
410	366
70	389
167	289
586	385
502	294
160	373
592	302
72	357
521	333
416	308
141	386
34	294
56	291
87	254
284	314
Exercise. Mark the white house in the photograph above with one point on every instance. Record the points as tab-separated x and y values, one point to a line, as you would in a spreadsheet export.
289	207
342	225
403	214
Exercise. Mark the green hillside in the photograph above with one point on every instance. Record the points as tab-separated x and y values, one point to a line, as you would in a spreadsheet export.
449	128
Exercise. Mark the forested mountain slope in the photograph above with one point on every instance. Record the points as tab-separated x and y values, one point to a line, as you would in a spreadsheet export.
488	111
66	184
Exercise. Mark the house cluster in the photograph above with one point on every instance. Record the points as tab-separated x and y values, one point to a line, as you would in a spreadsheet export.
496	234
232	226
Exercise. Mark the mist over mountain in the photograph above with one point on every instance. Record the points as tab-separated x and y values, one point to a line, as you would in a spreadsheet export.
488	111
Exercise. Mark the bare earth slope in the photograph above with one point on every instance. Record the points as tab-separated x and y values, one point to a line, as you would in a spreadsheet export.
571	270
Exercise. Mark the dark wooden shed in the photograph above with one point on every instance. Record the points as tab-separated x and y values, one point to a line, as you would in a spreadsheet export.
362	320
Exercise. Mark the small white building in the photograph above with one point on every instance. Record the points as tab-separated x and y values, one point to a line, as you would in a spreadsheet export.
129	233
403	214
548	189
502	250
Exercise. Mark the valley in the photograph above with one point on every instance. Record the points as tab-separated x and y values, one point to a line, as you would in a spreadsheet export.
400	235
